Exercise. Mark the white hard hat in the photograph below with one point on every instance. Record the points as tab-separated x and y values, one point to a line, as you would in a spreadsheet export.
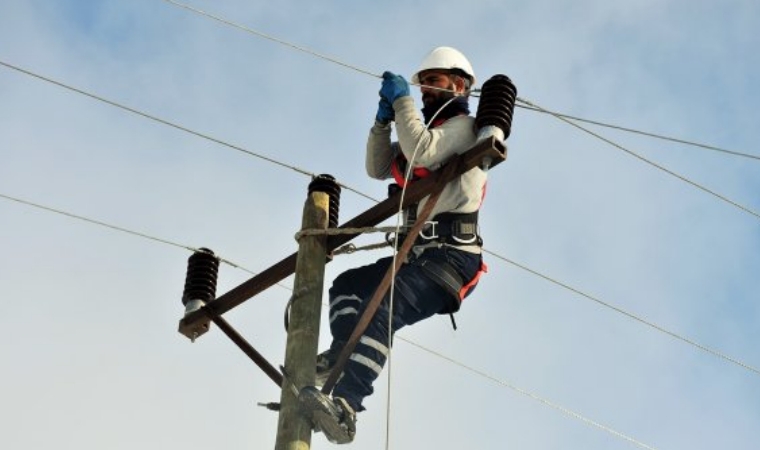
446	58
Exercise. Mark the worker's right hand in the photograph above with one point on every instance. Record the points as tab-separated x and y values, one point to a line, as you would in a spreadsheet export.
384	112
393	87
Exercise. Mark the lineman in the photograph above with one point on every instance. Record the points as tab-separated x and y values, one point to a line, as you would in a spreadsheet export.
445	262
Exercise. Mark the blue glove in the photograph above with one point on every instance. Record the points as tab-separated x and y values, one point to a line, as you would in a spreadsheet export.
394	86
385	112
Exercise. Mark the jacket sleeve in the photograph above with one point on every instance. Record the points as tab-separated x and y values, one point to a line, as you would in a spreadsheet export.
380	151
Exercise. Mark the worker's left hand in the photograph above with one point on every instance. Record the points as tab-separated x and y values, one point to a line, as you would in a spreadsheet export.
384	112
394	86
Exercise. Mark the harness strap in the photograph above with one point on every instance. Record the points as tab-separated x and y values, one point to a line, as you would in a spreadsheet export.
452	228
448	278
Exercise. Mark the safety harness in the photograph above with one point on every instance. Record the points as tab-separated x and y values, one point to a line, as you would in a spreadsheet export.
455	229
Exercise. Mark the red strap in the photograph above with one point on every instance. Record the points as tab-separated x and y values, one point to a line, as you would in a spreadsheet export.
398	172
471	284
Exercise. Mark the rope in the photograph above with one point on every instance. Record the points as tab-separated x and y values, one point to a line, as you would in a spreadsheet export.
339	231
399	217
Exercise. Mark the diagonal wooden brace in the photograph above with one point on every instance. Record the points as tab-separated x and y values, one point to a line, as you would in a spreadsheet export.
385	284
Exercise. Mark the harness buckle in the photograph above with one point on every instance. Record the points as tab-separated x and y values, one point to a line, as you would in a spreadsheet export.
465	229
430	228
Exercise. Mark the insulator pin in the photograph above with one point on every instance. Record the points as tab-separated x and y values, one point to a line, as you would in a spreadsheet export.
200	285
496	108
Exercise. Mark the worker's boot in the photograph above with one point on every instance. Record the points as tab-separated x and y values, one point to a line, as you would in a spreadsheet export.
332	416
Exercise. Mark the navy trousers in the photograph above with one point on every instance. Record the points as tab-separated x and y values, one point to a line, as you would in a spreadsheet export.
416	296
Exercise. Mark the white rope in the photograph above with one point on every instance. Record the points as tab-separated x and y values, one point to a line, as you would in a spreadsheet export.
399	218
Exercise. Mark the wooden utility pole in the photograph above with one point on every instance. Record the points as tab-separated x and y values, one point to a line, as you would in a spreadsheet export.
293	429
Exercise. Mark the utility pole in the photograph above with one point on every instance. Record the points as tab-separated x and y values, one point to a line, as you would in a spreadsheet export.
293	428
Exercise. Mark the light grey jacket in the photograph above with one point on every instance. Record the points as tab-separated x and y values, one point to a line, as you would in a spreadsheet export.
433	147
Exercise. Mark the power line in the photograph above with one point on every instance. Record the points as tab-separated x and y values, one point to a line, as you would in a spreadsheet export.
219	141
650	162
533	106
533	396
171	124
272	38
439	355
629	315
528	106
643	133
500	257
118	228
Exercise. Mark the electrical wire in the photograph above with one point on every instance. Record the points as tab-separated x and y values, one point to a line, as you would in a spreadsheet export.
527	105
643	133
531	106
271	38
478	372
121	229
625	313
172	124
649	162
532	396
534	272
163	121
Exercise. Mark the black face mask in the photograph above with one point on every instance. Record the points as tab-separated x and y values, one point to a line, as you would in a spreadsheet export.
459	106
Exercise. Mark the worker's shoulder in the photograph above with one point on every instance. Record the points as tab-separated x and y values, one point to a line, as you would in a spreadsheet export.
460	129
459	123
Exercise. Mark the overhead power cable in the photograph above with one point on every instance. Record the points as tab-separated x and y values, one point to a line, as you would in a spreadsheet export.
564	410
140	113
648	161
643	133
500	257
527	105
172	124
533	396
118	228
272	38
619	310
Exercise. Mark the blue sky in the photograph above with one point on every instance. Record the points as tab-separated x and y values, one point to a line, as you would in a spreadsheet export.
91	356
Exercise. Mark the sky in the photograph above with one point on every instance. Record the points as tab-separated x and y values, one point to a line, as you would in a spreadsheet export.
91	356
